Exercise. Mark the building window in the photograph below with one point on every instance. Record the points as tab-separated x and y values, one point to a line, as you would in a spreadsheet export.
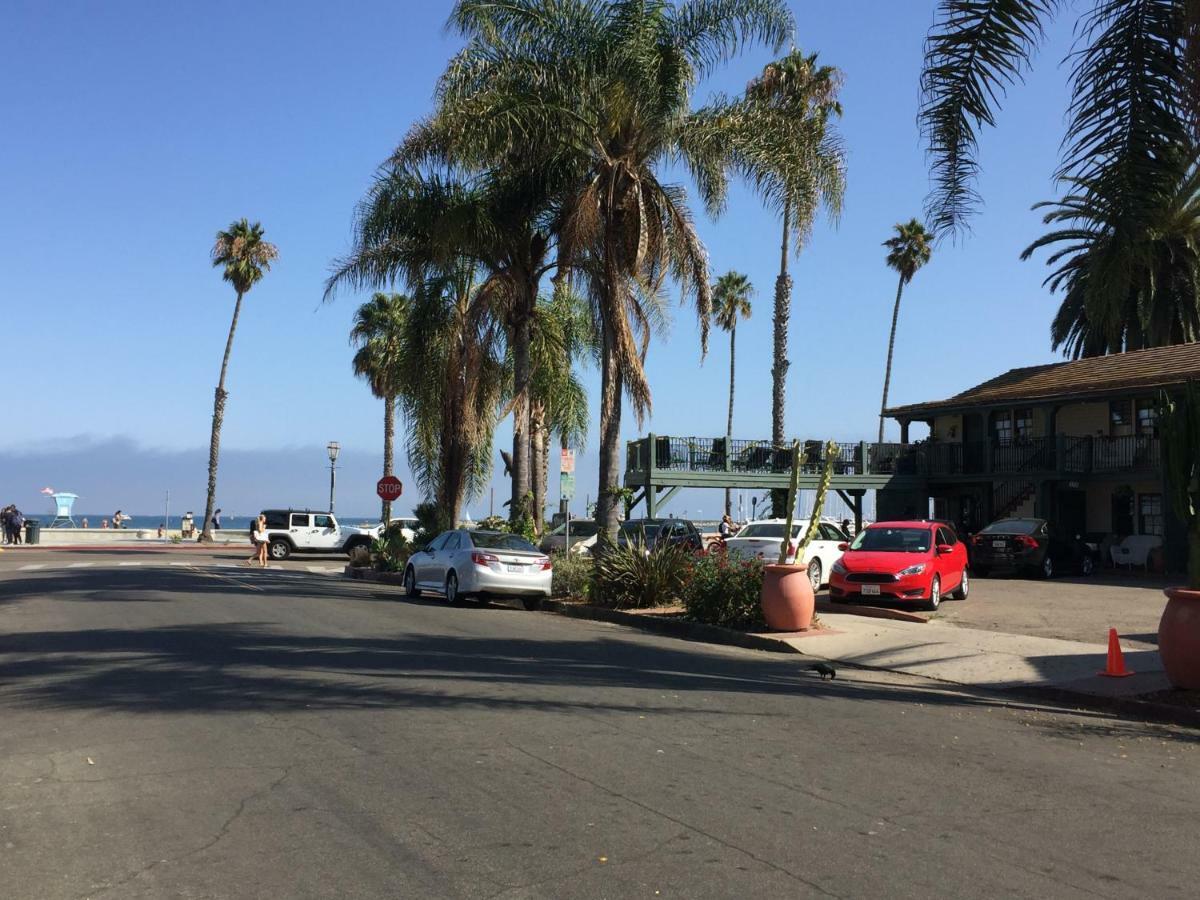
1023	423
1002	428
1119	417
1150	514
1147	418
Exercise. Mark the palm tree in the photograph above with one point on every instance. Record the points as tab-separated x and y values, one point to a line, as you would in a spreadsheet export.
451	376
908	250
1133	100
563	339
603	89
378	332
731	301
1125	289
794	88
245	257
453	380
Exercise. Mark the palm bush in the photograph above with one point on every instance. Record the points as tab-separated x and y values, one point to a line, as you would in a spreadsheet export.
628	576
391	550
726	592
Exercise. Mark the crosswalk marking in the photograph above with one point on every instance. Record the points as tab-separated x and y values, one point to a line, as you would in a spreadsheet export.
80	565
32	566
129	564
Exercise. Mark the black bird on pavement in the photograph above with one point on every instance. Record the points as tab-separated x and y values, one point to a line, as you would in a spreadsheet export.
825	670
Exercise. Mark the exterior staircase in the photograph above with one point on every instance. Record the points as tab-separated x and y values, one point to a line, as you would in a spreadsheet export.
1009	496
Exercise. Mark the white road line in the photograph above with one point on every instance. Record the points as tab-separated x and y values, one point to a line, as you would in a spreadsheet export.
129	564
80	565
32	566
178	564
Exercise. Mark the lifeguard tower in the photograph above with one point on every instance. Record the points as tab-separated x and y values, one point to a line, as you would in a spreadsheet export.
63	504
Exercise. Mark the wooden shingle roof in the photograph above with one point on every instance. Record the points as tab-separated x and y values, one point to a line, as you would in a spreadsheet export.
1097	375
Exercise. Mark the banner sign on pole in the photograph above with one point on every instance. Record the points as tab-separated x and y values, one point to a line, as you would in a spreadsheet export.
566	462
566	485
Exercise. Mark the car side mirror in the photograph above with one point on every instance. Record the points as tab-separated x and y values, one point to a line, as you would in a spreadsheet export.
943	549
843	546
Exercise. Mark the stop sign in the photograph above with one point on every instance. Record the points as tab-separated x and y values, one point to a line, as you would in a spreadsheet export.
389	487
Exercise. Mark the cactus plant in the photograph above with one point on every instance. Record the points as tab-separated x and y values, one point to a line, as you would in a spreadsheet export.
793	485
831	452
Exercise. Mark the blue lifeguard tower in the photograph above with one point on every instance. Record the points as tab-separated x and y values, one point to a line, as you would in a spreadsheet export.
63	504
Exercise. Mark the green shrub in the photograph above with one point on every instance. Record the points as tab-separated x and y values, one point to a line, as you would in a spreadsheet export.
724	591
390	551
432	520
628	577
572	574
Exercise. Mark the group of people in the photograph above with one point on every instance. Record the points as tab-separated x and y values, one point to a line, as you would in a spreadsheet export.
12	521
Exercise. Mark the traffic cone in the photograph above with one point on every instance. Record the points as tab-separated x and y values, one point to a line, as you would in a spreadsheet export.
1116	660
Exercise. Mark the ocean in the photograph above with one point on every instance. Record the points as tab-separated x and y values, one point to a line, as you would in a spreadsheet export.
228	523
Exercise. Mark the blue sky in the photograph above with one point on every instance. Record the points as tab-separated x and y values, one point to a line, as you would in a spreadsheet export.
135	130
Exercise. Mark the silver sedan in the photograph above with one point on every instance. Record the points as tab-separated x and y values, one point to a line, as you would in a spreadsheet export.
463	563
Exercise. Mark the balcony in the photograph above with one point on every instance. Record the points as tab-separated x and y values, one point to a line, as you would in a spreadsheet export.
871	462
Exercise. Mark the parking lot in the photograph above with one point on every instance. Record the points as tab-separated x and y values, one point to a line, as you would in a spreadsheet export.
1076	609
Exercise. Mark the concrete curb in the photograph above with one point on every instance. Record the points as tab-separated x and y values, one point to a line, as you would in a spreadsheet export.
871	612
676	628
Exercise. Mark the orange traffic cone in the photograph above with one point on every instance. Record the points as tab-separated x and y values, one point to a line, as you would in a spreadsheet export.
1116	660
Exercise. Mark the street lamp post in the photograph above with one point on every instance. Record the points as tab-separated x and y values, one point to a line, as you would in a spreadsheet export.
333	447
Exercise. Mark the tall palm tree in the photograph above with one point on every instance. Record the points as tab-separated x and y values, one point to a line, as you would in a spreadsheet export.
1133	95
378	332
603	87
731	301
795	87
908	250
244	257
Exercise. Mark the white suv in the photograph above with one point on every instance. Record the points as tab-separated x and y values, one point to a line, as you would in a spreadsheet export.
304	531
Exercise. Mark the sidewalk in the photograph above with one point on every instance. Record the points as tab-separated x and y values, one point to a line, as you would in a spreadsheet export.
977	658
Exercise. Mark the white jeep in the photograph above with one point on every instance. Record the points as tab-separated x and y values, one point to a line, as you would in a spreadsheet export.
304	531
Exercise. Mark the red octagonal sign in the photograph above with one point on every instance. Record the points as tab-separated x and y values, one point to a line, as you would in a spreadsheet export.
389	487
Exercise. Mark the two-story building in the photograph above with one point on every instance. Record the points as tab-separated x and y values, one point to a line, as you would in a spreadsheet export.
1073	442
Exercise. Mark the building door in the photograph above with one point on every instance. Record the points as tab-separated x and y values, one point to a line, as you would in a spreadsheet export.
1072	513
1122	511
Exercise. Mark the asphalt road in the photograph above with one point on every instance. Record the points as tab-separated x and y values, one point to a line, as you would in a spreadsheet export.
191	731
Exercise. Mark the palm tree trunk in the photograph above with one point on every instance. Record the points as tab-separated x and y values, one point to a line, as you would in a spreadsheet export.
887	372
521	435
214	444
779	367
607	518
537	458
389	440
729	421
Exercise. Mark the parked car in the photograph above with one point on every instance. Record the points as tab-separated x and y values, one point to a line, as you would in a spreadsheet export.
304	531
461	563
763	538
652	532
582	531
909	561
1030	545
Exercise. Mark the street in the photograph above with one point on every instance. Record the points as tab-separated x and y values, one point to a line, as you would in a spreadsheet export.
173	728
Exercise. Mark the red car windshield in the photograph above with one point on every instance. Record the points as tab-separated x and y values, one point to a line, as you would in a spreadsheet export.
893	540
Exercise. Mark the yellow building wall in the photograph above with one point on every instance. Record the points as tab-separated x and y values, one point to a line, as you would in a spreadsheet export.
1099	501
1081	419
944	426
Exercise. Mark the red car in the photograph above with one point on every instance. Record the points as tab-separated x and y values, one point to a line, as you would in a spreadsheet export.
902	561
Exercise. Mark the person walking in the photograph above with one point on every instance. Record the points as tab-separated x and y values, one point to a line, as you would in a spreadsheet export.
118	519
18	522
216	519
259	539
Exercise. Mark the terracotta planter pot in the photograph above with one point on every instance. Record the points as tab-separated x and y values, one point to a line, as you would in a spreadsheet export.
787	597
1179	638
